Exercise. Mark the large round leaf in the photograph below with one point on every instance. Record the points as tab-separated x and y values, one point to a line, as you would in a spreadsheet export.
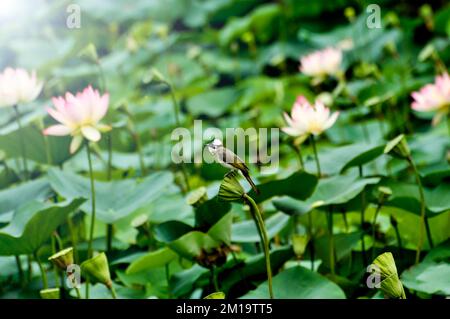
115	199
246	231
298	283
32	225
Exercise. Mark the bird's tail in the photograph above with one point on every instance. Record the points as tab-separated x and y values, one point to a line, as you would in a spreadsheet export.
248	178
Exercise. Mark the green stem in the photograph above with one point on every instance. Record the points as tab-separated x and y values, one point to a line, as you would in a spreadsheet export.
43	273
363	211
91	176
167	271
399	239
77	291
91	232
448	123
22	143
331	240
48	152
214	278
30	268
113	292
101	75
73	238
311	240
374	222
19	268
316	156
176	110
175	104
110	155
58	240
265	238
299	155
109	236
138	142
53	240
423	216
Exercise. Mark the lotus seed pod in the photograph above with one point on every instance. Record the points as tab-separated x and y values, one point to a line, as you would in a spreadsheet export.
390	283
197	197
398	147
299	243
230	189
63	258
97	270
52	293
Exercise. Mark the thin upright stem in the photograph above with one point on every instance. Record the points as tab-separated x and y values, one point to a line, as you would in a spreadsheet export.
19	268
77	291
113	292
48	152
43	273
256	214
311	240
214	278
91	176
363	210
299	155
374	222
167	272
399	239
175	104
109	236
423	216
91	232
316	156
176	110
22	143
55	269
110	155
331	240
73	238
448	123
138	142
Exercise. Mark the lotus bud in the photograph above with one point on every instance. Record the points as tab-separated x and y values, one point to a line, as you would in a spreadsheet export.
390	283
230	189
197	197
398	147
299	243
97	270
52	293
63	258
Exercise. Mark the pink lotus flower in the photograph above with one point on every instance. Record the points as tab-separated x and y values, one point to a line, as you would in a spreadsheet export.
308	119
433	97
18	86
79	116
321	63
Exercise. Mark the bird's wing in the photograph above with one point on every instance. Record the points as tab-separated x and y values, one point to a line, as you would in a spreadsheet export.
228	157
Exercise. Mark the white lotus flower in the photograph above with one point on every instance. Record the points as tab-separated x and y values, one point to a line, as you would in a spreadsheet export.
308	119
322	63
17	86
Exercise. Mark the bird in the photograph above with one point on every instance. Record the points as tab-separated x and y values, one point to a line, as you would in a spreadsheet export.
228	159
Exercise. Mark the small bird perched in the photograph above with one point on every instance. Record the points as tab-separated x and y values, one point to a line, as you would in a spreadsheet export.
230	160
